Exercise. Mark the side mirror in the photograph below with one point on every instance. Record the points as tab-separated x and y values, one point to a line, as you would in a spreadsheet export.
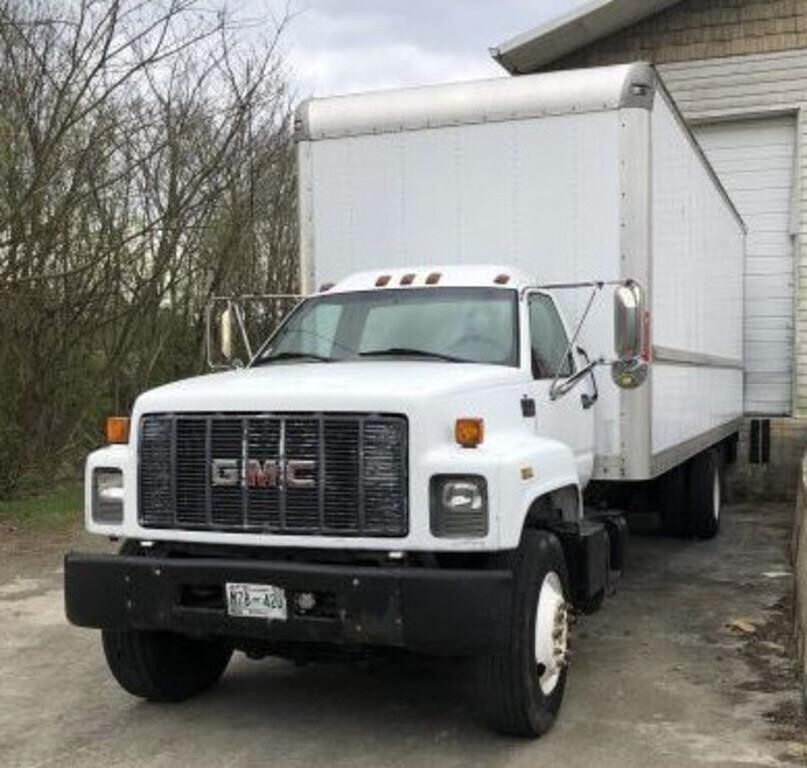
628	322
230	326
630	369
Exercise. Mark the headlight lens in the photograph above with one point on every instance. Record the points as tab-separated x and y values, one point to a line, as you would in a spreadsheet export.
459	506
107	496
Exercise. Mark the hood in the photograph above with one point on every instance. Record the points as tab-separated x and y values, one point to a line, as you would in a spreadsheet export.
352	386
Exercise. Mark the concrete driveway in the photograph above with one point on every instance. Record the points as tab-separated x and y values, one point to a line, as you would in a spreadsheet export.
659	678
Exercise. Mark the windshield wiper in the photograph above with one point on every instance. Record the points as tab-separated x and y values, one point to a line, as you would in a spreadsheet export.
407	351
292	356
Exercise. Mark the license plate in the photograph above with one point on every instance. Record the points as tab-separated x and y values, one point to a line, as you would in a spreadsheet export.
257	601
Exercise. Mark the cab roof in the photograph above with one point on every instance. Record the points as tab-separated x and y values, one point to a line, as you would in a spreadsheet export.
403	278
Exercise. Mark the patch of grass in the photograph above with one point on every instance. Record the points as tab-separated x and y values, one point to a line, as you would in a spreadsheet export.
60	508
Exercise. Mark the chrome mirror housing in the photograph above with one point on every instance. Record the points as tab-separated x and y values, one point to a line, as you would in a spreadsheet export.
630	337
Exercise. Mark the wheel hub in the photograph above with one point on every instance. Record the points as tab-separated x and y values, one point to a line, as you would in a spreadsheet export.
551	633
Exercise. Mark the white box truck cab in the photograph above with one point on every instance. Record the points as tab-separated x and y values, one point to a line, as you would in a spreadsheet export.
404	463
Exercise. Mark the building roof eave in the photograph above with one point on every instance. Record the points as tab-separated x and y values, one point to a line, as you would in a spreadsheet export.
592	21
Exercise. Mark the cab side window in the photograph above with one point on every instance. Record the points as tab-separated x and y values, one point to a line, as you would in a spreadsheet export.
548	340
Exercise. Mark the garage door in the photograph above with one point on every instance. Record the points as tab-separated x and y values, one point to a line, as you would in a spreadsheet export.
755	161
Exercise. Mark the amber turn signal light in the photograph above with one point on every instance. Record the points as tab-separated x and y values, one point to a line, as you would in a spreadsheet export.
117	430
469	432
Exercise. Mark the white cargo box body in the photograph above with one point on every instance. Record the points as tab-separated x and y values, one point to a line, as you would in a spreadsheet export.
569	176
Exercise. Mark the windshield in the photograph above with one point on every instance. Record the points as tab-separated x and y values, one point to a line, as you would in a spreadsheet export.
464	325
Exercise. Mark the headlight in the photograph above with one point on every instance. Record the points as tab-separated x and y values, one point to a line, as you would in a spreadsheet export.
459	506
107	496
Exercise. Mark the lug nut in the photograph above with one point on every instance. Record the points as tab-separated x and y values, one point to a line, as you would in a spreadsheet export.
306	601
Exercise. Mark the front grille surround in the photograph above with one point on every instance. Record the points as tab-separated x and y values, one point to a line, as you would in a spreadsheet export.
360	478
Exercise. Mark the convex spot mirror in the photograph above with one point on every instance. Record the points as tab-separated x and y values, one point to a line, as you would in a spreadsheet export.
630	337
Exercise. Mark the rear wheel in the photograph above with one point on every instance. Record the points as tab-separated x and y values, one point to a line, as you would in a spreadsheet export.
522	686
163	666
705	494
674	502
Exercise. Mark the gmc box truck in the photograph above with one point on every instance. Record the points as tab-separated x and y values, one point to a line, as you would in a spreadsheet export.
523	307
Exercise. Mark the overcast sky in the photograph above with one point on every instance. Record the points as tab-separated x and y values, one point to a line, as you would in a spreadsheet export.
340	46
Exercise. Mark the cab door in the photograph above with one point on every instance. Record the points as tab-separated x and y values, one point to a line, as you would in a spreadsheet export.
568	419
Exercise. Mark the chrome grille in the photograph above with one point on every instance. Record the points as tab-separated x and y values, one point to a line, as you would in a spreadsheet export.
356	481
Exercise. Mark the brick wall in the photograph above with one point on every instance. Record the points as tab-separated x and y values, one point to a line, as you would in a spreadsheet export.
701	29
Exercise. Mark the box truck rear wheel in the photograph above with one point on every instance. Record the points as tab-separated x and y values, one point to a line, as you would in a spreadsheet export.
705	494
163	666
673	493
522	686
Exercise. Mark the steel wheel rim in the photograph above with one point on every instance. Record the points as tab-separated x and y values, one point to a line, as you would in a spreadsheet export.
551	633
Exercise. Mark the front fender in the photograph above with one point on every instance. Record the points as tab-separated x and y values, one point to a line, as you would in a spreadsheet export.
518	469
533	469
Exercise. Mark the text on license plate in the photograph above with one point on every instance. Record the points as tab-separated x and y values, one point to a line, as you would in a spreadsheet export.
259	601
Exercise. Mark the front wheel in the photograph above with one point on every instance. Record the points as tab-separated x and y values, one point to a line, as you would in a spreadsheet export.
163	666
522	686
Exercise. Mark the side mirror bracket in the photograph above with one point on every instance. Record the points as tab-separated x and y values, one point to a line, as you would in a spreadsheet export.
630	368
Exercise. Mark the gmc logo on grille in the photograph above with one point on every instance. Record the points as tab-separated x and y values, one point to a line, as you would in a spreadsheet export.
295	473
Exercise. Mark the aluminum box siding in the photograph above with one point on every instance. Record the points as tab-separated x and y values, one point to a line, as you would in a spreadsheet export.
755	160
542	195
697	292
480	101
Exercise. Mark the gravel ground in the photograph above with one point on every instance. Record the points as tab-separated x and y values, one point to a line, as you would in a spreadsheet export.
689	664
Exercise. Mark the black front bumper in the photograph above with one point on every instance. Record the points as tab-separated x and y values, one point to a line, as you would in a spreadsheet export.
427	610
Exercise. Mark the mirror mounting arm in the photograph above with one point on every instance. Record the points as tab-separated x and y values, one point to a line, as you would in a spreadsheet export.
560	388
629	370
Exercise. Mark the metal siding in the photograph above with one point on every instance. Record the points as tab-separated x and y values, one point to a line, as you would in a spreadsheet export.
697	290
480	101
477	194
691	400
755	160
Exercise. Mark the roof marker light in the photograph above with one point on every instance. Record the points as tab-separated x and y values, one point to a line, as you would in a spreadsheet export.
383	281
408	279
326	287
433	278
502	279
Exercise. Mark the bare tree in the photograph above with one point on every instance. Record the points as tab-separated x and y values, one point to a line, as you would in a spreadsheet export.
146	163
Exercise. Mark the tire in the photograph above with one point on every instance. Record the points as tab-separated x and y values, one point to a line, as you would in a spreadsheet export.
705	494
162	666
674	502
521	695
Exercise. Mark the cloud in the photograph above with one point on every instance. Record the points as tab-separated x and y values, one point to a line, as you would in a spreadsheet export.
342	46
332	70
